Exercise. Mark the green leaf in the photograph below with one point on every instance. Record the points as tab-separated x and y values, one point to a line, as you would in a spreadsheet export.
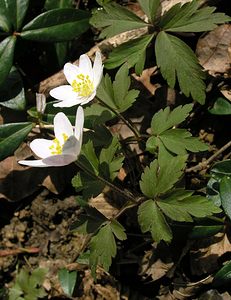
222	167
151	219
118	230
102	248
117	94
190	18
182	209
57	25
150	8
152	144
52	4
165	119
132	52
225	193
205	231
223	276
5	24
177	60
16	11
179	140
115	19
161	175
88	157
221	107
67	280
37	277
110	163
6	57
90	222
11	136
12	93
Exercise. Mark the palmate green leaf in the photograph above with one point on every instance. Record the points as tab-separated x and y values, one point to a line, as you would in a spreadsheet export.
11	136
118	230
221	106
67	280
225	194
165	119
115	19
110	164
177	60
57	25
16	10
103	246
12	94
6	57
150	8
117	94
180	140
151	219
5	24
190	18
161	175
132	52
181	210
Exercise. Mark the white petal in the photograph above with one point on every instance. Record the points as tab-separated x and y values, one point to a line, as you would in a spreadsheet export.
97	69
72	147
85	65
59	160
41	147
63	92
62	125
33	163
88	99
69	103
70	71
79	120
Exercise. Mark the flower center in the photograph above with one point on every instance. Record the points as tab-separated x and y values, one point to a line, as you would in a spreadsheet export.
83	85
57	146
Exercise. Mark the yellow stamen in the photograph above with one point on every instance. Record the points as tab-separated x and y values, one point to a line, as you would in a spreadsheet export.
57	146
83	85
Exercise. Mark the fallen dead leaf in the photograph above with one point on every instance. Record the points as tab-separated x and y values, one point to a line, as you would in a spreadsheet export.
205	253
212	50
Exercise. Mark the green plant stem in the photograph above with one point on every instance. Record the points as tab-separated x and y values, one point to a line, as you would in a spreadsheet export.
126	195
127	122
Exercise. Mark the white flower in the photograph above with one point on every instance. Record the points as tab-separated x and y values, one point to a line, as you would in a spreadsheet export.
66	146
83	81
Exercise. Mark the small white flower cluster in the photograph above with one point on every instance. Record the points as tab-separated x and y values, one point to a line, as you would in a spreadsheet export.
65	148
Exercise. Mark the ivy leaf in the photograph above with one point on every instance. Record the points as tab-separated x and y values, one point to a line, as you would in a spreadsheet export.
190	18
182	209
110	164
117	94
150	8
132	52
115	19
16	11
222	168
6	57
180	140
5	24
12	93
56	25
161	175
165	119
102	248
225	192
151	219
222	106
11	136
177	60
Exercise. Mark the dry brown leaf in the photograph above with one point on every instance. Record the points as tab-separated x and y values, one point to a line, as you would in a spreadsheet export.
205	253
102	204
226	93
145	79
212	50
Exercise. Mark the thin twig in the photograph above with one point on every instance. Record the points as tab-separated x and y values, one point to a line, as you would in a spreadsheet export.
206	163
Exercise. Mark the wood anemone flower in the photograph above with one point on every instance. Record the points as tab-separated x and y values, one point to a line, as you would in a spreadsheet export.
66	146
83	82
